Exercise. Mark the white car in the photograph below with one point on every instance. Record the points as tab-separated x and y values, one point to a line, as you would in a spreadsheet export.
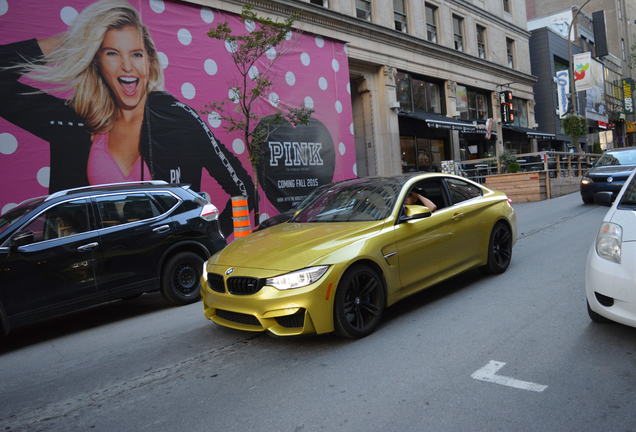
610	273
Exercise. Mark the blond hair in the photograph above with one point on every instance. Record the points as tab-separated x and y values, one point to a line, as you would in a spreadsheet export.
72	64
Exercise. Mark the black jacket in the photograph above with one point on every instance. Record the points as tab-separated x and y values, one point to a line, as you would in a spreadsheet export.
175	142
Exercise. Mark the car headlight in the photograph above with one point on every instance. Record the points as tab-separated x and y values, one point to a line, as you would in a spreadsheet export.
609	241
204	272
586	181
298	278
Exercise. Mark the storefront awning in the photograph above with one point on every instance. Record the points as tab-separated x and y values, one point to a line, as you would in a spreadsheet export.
441	122
531	133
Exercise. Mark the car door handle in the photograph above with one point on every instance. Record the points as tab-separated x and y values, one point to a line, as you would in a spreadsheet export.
87	247
458	216
161	229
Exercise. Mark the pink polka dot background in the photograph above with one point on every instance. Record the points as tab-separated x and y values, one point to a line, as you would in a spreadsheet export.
308	71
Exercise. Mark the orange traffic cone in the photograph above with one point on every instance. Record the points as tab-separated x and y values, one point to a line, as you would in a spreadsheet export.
241	216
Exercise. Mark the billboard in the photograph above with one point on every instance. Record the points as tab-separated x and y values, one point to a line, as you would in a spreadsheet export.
115	102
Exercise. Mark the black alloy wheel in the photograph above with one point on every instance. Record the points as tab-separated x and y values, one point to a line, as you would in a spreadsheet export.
181	278
499	249
359	302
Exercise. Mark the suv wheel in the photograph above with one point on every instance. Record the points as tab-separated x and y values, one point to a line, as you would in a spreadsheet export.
181	278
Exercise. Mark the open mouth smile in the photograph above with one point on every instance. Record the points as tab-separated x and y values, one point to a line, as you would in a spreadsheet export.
129	85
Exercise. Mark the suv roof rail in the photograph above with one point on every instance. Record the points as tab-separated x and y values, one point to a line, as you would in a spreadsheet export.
142	182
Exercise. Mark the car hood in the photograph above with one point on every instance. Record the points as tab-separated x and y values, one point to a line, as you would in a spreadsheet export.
612	169
290	246
627	220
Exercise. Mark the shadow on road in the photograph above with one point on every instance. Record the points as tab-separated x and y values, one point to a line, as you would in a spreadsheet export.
83	320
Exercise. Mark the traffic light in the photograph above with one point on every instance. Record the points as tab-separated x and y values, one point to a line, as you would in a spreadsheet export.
505	102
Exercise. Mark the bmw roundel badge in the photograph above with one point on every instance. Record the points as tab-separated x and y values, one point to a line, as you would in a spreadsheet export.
229	271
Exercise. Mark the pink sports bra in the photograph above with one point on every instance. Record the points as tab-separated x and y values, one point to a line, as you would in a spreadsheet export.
102	168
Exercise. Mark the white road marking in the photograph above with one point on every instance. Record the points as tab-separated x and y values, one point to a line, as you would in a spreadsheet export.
489	374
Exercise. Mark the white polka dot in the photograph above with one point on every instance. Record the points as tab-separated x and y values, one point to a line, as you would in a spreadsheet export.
43	176
238	146
207	15
214	119
4	7
320	42
250	26
322	83
355	169
309	103
338	107
345	48
271	53
335	65
184	36
234	95
163	60
8	143
188	91
263	217
274	99
351	128
231	46
288	35
290	78
68	15
342	148
157	6
305	59
210	67
349	87
8	206
253	72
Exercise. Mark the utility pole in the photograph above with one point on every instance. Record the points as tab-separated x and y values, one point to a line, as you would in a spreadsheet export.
573	99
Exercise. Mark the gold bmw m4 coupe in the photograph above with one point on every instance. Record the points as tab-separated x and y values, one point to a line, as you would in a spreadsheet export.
360	246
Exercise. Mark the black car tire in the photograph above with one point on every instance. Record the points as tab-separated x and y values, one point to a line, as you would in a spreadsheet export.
181	278
499	249
597	318
587	199
359	302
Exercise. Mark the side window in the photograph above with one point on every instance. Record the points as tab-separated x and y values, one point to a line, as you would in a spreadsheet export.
120	209
166	200
433	190
62	220
461	190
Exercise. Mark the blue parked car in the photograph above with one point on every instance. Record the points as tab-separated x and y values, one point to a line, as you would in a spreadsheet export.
609	173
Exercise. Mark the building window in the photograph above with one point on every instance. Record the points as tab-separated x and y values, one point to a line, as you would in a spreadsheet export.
470	104
323	3
506	6
431	23
363	9
520	107
399	15
481	41
510	52
623	50
415	94
458	32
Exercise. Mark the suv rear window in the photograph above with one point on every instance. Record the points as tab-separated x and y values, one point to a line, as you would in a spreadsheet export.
166	200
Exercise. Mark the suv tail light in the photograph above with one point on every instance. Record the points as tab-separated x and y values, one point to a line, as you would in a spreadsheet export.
209	212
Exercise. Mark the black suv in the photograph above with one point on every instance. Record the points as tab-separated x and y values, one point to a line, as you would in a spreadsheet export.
80	247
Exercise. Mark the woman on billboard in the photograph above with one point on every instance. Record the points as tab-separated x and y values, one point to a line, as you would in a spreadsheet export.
118	124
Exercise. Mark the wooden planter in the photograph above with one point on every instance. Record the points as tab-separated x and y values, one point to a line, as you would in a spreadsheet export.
520	187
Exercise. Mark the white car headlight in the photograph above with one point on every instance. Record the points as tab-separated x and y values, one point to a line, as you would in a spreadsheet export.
204	273
297	279
586	181
609	241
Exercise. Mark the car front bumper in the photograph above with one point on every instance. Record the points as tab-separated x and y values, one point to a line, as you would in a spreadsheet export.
616	282
588	191
297	311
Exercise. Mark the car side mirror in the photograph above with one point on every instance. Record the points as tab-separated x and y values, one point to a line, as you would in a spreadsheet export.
413	212
603	198
24	238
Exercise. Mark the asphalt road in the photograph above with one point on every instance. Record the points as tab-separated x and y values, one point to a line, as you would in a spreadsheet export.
138	365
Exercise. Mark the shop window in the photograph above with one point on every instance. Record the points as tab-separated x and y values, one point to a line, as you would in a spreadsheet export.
418	95
403	90
520	108
471	105
421	154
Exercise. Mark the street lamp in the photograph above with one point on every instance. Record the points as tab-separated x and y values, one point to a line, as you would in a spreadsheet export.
573	100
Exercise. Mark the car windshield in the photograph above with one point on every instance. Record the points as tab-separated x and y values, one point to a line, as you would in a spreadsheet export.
17	212
363	200
625	157
629	196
